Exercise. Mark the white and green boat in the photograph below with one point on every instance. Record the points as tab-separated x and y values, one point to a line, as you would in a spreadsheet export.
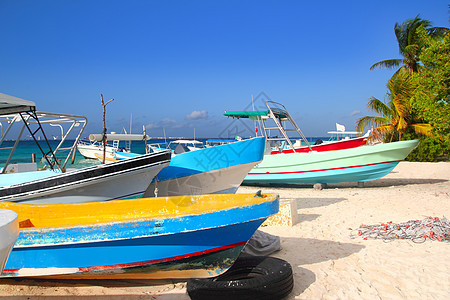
363	163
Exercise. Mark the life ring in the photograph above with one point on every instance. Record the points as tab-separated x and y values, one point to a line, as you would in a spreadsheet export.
250	277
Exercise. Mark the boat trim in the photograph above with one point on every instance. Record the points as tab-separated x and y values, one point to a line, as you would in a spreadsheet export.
331	169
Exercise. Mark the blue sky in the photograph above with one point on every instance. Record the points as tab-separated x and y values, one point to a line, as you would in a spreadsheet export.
179	65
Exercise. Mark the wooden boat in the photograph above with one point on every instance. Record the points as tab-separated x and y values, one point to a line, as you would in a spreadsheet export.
166	237
212	170
125	179
9	232
56	184
358	164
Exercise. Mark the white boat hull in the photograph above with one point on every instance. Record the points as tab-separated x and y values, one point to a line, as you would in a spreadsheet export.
221	181
90	151
124	179
9	232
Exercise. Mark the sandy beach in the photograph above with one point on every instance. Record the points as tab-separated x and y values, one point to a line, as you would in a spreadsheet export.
327	262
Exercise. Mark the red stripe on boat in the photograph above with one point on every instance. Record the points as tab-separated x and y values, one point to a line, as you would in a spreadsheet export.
386	162
148	262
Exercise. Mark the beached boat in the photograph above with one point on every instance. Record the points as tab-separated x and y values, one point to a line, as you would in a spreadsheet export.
368	162
119	180
359	164
166	237
276	123
212	170
9	232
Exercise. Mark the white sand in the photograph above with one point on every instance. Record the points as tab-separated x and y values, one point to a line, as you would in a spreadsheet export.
327	263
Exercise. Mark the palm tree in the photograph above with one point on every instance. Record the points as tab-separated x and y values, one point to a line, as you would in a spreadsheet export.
395	117
410	46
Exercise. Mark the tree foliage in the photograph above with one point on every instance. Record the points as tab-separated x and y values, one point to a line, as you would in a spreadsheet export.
395	117
418	92
410	45
432	95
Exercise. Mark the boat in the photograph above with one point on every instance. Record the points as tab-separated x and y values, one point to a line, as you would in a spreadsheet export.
147	238
277	118
94	148
54	183
358	164
212	170
9	232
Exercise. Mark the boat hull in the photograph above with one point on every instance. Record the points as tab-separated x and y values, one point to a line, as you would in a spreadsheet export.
9	232
328	146
218	169
91	151
124	179
183	237
349	165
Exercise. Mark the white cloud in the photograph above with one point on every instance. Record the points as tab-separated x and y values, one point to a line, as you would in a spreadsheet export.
164	123
197	115
354	113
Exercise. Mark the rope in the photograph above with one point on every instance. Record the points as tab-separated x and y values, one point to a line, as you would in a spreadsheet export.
418	231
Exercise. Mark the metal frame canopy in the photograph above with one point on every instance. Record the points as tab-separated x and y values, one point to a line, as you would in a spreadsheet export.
15	110
253	114
277	113
12	105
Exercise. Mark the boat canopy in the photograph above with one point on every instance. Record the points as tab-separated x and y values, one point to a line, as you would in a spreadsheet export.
252	114
13	105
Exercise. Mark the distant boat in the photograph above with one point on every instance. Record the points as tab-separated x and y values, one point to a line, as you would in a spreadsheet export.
9	232
94	148
364	163
56	184
151	238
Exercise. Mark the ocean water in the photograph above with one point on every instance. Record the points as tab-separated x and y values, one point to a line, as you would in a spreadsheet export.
26	148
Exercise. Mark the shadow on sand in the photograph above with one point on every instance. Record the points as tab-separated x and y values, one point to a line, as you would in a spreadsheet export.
383	182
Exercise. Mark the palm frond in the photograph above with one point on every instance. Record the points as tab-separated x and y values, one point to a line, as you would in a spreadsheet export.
422	128
371	122
379	107
382	133
387	64
437	32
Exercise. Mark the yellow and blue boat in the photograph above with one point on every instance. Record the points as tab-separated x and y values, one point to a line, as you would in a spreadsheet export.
165	237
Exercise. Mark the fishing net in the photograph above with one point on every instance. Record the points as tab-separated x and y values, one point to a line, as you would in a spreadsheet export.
418	231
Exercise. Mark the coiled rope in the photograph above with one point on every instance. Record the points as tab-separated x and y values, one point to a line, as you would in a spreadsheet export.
418	231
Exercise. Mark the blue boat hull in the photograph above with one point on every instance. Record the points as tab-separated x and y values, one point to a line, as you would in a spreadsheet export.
168	248
349	174
219	169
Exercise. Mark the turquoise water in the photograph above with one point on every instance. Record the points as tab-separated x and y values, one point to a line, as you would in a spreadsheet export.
23	153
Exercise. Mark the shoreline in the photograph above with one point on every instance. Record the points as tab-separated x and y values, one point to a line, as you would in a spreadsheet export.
326	262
